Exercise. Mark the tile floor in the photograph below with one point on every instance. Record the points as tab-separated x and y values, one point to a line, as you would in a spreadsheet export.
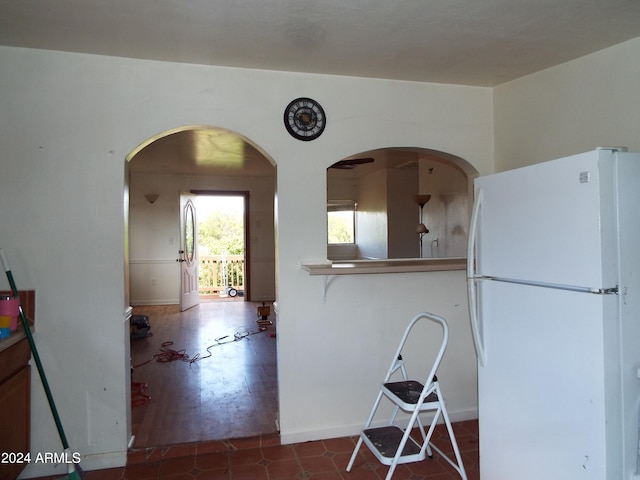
262	458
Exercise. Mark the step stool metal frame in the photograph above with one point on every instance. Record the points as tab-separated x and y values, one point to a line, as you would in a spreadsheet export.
393	445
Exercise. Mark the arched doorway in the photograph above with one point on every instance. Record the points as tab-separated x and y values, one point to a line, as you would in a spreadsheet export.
196	159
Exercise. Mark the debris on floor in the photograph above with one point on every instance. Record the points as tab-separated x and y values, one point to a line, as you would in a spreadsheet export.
138	397
139	326
263	313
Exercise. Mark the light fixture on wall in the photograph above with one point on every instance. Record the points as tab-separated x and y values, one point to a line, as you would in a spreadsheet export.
151	197
422	229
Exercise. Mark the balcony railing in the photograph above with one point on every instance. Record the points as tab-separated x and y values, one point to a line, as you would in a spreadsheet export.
217	272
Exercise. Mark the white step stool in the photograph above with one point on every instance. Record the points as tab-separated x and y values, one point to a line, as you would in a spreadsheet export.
393	445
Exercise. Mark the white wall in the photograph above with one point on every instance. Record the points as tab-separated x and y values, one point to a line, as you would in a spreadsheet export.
583	104
357	331
446	214
68	121
372	216
154	233
402	186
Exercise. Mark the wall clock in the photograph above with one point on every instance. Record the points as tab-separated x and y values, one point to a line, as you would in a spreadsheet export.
304	119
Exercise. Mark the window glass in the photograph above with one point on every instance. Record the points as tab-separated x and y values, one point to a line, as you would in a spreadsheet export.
189	232
341	226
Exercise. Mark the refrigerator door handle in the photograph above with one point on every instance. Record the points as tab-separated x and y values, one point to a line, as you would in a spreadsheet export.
475	322
471	279
471	241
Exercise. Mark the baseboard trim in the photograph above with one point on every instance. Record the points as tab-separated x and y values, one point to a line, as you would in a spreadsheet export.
287	438
141	303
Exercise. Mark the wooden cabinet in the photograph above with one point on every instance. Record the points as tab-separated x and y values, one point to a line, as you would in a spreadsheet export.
15	404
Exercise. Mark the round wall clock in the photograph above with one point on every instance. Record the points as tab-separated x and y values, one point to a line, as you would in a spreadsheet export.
304	119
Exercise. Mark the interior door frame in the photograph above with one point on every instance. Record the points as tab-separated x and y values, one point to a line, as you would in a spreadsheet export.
245	194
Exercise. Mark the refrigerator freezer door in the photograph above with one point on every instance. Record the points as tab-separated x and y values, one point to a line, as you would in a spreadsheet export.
628	339
547	222
542	388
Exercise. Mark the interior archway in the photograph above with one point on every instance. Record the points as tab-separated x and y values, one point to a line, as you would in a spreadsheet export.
182	160
199	159
382	186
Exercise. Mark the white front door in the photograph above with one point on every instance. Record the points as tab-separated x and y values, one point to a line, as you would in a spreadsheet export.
189	295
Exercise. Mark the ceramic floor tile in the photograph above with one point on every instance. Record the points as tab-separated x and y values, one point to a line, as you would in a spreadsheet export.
256	459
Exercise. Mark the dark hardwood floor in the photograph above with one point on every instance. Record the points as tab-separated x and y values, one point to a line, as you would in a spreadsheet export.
227	391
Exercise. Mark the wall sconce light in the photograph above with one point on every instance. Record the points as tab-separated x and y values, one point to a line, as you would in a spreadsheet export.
422	229
151	197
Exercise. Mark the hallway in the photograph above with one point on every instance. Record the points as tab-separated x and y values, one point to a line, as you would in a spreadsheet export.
217	380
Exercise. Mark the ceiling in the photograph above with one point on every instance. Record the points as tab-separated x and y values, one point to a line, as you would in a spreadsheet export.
466	42
469	42
201	151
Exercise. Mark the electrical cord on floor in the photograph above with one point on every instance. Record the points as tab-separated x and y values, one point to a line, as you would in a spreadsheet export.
239	335
167	354
138	397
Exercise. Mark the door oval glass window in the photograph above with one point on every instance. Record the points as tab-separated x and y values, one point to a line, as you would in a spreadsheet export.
189	232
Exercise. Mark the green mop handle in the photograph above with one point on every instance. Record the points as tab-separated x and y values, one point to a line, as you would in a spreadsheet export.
34	351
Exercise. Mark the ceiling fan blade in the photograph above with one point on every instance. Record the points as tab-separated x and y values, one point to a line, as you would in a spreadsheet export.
351	163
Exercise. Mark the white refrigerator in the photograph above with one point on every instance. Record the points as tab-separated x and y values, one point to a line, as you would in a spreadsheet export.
554	295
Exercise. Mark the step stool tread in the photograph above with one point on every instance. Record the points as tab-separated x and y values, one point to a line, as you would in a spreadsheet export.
387	439
409	391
